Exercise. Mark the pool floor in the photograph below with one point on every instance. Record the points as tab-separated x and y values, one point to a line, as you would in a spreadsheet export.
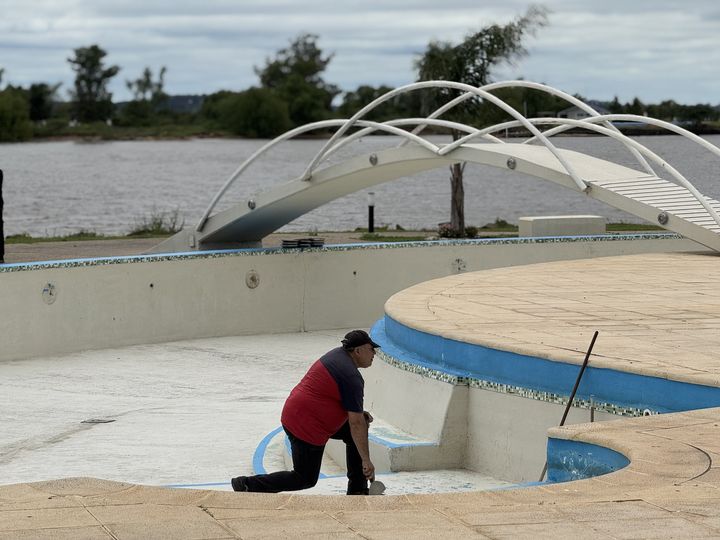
186	414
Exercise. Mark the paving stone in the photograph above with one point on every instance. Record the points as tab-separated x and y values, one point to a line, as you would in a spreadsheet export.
311	524
397	520
541	531
147	513
642	529
45	518
65	533
169	530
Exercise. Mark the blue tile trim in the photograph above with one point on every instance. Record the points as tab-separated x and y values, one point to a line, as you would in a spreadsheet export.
610	390
102	261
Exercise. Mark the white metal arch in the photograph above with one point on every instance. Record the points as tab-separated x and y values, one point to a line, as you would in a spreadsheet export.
693	214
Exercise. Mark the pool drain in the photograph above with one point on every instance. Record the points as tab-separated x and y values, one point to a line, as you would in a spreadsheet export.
49	293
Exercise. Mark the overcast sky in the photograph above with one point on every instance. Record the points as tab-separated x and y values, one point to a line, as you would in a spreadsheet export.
652	49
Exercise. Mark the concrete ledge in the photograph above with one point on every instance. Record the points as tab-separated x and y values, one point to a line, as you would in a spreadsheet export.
669	489
561	226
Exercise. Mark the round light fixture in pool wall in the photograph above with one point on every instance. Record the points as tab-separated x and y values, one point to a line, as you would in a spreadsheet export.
252	279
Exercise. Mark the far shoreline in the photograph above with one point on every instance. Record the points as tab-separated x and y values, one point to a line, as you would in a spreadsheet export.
112	134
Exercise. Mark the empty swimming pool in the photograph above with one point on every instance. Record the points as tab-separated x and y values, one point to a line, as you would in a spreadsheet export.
187	413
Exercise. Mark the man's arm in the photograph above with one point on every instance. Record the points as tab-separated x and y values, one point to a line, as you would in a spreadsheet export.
359	432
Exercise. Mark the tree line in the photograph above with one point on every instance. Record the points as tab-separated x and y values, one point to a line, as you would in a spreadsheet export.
292	91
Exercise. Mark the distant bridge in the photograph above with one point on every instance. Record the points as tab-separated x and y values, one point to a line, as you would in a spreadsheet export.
665	197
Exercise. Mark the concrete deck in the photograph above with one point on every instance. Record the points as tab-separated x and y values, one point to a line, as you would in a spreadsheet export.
657	315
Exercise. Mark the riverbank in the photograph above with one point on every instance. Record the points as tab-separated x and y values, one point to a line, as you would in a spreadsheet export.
32	251
103	132
121	247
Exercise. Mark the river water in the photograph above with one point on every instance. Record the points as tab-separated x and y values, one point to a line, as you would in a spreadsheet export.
56	188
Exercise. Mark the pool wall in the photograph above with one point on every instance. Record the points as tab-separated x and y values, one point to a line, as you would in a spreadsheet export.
66	306
496	430
489	410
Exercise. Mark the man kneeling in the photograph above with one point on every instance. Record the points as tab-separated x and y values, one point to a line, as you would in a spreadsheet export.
326	404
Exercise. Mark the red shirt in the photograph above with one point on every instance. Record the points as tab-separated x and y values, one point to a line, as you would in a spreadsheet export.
317	407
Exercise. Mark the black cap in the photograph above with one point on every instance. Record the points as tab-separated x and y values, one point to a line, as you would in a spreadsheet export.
355	338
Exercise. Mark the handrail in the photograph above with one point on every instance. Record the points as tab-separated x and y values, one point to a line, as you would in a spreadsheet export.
307	175
645	120
260	151
372	126
332	145
297	131
627	141
535	86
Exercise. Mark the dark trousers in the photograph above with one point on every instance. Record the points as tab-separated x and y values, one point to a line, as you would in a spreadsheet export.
307	459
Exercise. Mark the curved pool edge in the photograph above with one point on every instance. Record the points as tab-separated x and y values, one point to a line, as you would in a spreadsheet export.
616	391
668	480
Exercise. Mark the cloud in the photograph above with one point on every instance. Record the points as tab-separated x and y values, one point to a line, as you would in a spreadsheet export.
652	49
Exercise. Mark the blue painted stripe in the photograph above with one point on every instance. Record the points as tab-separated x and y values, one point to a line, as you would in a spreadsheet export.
206	484
478	362
259	455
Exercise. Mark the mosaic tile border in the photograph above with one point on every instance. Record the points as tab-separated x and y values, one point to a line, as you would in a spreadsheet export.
547	397
254	252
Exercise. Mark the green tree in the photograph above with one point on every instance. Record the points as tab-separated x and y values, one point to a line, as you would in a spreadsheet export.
666	110
471	62
41	97
295	74
636	107
256	112
14	115
91	99
615	107
147	89
404	105
213	108
699	113
148	97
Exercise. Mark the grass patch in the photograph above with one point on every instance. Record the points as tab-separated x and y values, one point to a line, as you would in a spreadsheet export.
81	235
158	224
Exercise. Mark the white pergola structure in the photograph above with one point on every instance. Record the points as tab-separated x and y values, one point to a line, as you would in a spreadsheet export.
671	200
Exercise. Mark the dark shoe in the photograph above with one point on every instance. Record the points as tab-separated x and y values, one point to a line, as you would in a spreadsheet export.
361	492
239	483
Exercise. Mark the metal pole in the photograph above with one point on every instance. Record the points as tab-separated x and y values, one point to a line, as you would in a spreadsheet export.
371	211
572	394
2	232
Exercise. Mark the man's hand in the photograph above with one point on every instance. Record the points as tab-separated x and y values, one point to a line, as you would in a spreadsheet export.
368	470
359	422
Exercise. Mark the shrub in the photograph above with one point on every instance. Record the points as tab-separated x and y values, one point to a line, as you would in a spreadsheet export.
257	112
445	230
14	116
158	224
